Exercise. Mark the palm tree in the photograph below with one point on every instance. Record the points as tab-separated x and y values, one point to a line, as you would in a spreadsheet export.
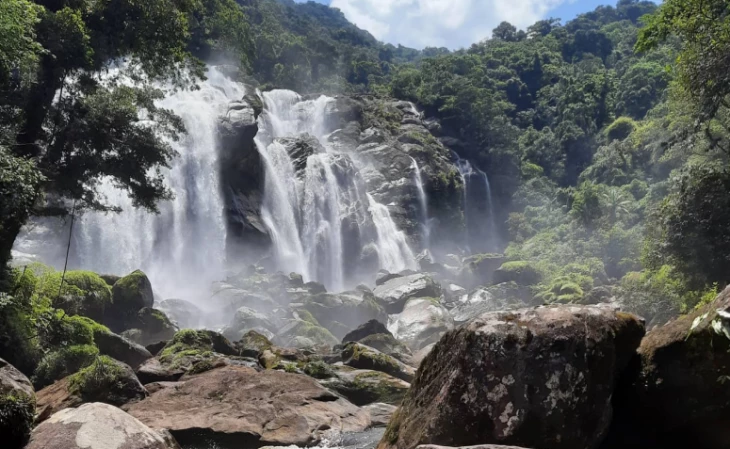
617	203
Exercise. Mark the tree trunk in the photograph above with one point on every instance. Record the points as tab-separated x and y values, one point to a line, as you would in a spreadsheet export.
31	139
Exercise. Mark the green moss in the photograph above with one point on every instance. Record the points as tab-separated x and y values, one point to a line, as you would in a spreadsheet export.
185	345
318	370
291	368
306	315
202	366
17	413
106	380
522	272
62	362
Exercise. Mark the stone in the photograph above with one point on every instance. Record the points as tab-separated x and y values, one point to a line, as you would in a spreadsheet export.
384	276
344	311
130	294
393	294
421	322
360	356
122	349
153	371
153	326
479	269
387	344
97	426
541	377
317	335
380	413
247	319
372	327
362	387
184	314
17	406
106	380
521	272
244	407
678	394
299	149
253	344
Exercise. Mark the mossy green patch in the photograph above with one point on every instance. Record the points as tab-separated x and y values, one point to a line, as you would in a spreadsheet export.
17	413
106	380
62	362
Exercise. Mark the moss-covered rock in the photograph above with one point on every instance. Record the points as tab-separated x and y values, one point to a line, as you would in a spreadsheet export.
122	349
62	362
130	294
362	387
188	348
479	269
17	406
521	272
387	344
106	380
153	326
253	344
300	328
318	369
370	328
83	293
360	356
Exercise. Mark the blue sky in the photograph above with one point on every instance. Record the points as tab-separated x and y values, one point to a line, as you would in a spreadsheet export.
451	23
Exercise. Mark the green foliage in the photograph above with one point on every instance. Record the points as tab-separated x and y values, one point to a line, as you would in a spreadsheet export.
620	129
17	415
521	272
62	362
318	370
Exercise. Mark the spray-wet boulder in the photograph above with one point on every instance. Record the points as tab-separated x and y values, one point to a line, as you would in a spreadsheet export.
151	326
479	269
122	349
130	294
300	149
679	395
372	327
422	321
97	426
300	333
349	309
380	413
394	294
540	377
106	380
243	407
247	319
362	387
84	293
360	356
17	406
183	314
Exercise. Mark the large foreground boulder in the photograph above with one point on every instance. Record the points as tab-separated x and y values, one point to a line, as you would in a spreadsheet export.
17	406
240	406
97	426
540	378
680	396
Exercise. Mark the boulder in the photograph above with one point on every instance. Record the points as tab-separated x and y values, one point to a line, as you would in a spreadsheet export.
97	426
151	326
154	371
360	356
253	344
372	327
243	407
380	413
479	269
247	319
421	322
183	314
384	276
317	335
344	311
122	349
17	406
679	396
541	377
521	272
129	294
393	294
387	344
85	293
482	300
106	380
362	387
299	149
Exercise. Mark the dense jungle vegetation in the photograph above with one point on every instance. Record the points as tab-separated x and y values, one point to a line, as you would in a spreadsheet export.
605	137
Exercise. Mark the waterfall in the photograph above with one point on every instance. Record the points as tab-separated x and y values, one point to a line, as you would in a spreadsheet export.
423	202
478	207
182	249
314	207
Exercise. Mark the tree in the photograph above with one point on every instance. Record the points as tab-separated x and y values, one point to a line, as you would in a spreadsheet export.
703	27
79	120
690	232
616	202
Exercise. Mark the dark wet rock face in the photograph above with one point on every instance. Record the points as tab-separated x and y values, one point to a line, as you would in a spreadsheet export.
679	395
539	377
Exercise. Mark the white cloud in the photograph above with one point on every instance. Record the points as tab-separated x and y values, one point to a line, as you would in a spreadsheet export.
441	23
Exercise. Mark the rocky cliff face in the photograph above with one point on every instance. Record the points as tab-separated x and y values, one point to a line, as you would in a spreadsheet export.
400	163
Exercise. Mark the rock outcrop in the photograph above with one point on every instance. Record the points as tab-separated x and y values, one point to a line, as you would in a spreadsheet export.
540	377
394	293
17	406
679	395
97	426
235	404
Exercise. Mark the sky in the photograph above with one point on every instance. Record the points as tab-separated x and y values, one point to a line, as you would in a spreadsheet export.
451	23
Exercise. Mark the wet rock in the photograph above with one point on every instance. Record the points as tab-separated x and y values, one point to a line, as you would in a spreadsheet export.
17	406
521	272
106	380
483	300
318	335
372	327
380	413
153	326
421	322
129	294
394	293
387	344
678	395
153	371
228	299
184	314
247	319
300	148
540	377
360	356
348	309
362	387
253	344
479	269
384	276
244	407
97	426
122	349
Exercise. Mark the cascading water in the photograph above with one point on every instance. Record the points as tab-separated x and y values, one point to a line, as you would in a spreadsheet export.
478	207
316	205
182	249
423	202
